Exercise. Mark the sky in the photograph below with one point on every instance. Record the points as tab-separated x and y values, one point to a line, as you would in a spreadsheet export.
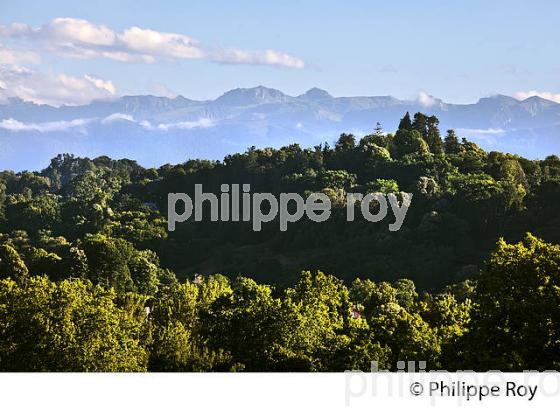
70	52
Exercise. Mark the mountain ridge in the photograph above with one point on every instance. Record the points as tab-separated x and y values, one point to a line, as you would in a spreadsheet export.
162	129
314	92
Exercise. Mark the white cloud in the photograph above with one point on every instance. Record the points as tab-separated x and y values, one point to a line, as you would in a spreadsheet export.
52	88
426	100
547	95
73	125
117	117
81	124
153	42
267	57
78	38
63	29
77	31
480	131
186	125
101	83
165	126
16	30
11	56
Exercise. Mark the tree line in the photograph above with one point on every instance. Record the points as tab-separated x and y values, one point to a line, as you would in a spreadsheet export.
507	318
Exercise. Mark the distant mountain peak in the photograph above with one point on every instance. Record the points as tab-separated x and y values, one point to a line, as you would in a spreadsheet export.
181	98
535	104
499	98
535	99
249	96
317	94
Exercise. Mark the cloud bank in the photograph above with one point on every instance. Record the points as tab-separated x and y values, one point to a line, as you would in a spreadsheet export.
80	124
481	131
52	88
14	57
52	126
78	38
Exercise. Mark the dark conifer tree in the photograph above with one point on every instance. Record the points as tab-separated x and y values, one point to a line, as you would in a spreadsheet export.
433	137
405	123
451	144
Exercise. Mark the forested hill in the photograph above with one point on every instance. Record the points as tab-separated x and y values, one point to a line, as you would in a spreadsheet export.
105	219
91	280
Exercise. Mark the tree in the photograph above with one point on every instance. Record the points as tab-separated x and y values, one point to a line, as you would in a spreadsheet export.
88	209
420	124
511	170
250	324
427	186
114	262
357	349
108	261
42	262
69	326
11	264
374	153
385	186
178	344
337	179
409	142
345	142
433	137
472	158
41	211
403	330
377	138
451	143
145	272
316	311
516	325
551	167
406	293
405	124
77	263
450	319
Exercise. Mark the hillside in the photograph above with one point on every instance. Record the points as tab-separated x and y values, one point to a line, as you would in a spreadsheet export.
465	199
91	280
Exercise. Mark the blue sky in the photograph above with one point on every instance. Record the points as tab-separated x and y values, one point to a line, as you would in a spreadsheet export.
455	50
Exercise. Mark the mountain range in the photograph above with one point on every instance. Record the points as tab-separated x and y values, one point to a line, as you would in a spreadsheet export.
157	130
